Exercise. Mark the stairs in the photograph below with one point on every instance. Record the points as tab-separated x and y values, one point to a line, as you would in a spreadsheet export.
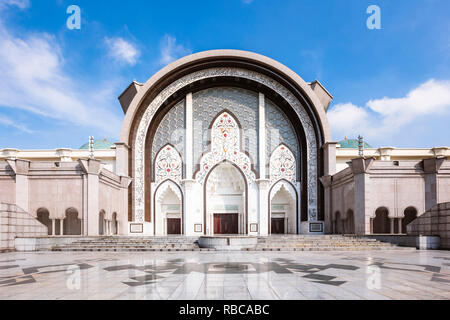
130	244
272	243
320	243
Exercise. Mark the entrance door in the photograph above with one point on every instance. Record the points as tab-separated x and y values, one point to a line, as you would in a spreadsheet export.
226	223
277	226
173	226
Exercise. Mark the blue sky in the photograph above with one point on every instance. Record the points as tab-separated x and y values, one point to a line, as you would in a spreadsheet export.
58	86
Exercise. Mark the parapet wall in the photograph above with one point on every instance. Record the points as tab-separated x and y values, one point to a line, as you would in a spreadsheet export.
434	222
14	222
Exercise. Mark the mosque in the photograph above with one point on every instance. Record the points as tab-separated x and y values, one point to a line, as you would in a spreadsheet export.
224	142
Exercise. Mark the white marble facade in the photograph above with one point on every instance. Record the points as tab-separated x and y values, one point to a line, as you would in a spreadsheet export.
233	140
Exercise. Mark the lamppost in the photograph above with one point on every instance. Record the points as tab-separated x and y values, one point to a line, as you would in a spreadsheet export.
91	147
361	146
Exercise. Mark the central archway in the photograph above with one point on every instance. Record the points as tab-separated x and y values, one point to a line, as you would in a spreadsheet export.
226	200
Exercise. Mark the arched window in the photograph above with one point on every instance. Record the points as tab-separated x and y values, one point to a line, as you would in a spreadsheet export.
410	216
350	222
338	224
43	217
115	225
381	224
71	224
101	222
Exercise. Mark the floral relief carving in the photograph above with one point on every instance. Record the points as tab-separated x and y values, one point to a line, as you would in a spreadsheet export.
225	145
168	165
282	165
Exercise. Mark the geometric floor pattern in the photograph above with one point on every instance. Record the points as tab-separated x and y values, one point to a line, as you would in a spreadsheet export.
372	275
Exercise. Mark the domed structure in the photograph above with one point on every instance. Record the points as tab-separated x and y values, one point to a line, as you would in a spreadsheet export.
98	145
352	144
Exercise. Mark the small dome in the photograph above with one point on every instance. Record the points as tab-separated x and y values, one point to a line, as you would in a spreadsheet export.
352	144
98	144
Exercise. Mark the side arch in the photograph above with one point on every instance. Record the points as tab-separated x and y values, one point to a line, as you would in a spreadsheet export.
277	186
159	192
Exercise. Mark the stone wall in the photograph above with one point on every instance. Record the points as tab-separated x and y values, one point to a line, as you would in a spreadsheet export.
14	222
434	222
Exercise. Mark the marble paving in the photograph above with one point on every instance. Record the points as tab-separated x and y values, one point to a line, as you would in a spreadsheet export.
370	275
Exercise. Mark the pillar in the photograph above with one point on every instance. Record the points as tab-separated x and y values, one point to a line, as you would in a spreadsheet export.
91	169
431	168
328	203
190	204
21	169
189	137
53	227
360	168
263	210
262	137
392	220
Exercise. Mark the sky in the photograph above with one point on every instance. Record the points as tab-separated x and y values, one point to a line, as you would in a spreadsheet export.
59	85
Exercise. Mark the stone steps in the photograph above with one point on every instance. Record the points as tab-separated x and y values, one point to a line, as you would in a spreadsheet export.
272	243
320	243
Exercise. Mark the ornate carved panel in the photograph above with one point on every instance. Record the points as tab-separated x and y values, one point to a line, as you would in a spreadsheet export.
168	165
244	106
282	165
225	145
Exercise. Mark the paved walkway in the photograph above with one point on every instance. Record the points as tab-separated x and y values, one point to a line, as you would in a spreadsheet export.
218	275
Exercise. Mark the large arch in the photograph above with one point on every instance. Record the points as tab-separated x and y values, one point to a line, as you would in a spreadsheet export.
244	69
160	217
287	186
209	226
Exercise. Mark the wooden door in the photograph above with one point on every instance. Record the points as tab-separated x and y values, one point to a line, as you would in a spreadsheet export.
226	223
277	226
173	226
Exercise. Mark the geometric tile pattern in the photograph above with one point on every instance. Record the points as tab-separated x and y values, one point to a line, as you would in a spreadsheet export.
279	130
244	105
171	130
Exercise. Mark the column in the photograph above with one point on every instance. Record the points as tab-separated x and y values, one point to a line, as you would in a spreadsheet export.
400	225
360	168
329	158
189	136
61	227
91	168
328	203
21	168
262	137
431	168
191	202
263	212
392	225
53	227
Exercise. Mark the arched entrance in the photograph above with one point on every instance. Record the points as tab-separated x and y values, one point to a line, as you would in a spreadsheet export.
43	217
226	200
168	209
283	208
71	224
381	224
410	216
101	223
350	229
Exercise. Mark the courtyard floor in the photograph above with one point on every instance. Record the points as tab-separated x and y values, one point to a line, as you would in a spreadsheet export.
220	275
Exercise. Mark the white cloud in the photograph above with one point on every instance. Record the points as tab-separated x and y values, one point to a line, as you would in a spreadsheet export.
388	116
122	50
171	51
11	123
22	4
33	78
